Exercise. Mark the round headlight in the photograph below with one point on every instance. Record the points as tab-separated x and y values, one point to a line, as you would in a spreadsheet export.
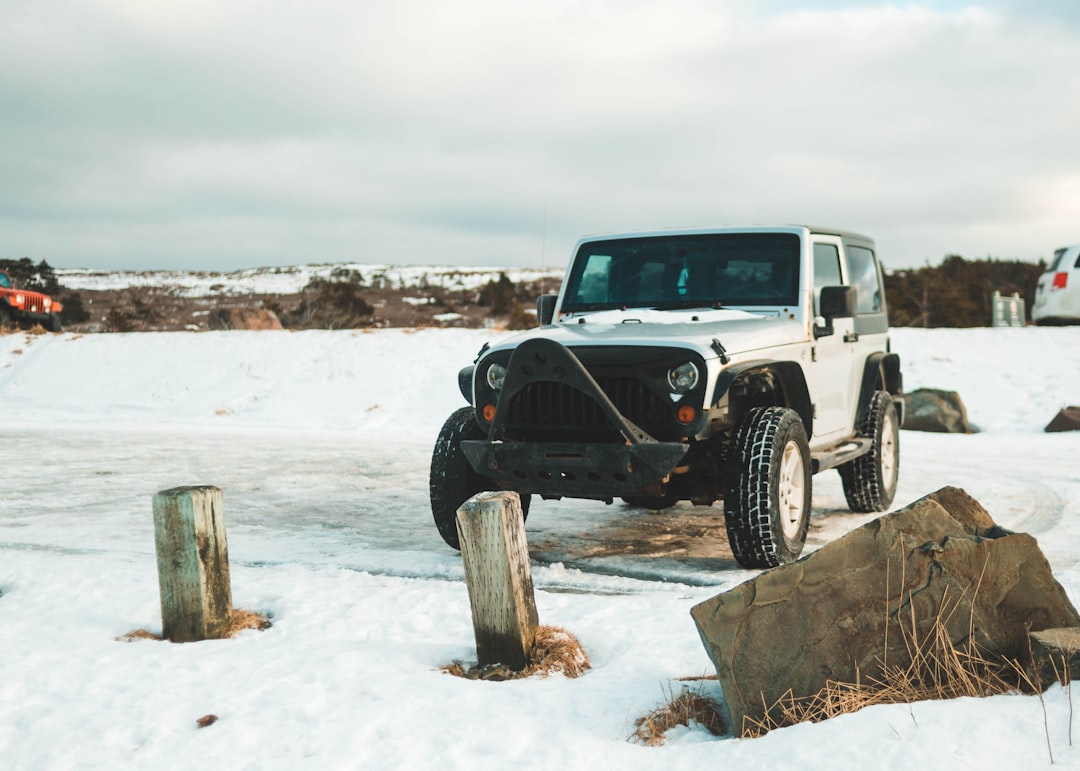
683	378
496	376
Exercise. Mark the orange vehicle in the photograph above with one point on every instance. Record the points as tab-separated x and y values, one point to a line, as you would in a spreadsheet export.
21	307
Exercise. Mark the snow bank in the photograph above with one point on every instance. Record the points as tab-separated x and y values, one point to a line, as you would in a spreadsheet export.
405	381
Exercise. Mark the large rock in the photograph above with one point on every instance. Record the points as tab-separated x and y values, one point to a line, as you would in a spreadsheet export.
932	409
1066	420
836	615
243	318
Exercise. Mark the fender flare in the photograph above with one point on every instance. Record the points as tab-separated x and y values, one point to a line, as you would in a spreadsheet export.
464	382
881	369
794	391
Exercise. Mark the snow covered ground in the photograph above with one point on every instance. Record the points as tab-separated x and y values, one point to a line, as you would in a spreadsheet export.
330	534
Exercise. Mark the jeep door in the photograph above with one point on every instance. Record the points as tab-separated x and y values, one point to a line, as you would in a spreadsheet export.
831	369
863	271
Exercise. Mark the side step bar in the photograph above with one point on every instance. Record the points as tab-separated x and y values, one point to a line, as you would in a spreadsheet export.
849	450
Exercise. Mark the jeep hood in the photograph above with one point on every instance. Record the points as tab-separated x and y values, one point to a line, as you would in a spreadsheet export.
739	332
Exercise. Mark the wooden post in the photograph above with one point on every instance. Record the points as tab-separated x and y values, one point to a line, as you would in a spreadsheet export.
492	535
193	563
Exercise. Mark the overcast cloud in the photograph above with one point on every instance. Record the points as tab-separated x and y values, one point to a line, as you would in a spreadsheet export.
234	133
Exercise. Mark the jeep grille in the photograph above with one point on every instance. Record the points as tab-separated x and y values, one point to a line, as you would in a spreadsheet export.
545	408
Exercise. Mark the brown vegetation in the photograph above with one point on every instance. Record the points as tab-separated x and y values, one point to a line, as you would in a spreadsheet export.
240	621
954	294
340	302
555	650
690	706
940	669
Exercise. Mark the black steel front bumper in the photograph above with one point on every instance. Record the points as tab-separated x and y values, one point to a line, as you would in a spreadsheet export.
637	464
575	470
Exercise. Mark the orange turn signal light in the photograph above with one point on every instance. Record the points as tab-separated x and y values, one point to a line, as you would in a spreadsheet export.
488	412
686	414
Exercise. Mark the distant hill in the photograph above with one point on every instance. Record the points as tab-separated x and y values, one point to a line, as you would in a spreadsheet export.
956	293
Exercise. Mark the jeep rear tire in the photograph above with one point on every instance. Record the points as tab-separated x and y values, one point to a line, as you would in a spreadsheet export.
453	481
870	480
767	490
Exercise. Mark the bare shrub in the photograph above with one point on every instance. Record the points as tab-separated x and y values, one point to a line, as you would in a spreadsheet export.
518	318
331	304
133	313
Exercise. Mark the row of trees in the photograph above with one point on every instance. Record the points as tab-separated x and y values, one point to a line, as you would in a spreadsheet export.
958	292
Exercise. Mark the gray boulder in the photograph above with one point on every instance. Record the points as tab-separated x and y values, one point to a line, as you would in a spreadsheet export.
1066	420
935	410
835	615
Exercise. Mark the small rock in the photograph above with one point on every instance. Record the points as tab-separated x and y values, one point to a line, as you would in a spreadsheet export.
1055	657
206	720
1066	420
937	411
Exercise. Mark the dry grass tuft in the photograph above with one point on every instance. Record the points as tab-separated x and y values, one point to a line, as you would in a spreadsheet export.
690	706
139	634
939	669
554	650
241	620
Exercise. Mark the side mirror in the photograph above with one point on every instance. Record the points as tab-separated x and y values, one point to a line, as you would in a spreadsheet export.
836	302
545	308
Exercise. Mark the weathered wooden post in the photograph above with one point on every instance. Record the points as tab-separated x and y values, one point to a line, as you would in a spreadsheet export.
496	556
193	563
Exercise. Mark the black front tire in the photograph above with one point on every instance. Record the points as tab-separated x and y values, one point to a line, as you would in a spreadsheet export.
54	324
870	480
5	315
767	488
453	480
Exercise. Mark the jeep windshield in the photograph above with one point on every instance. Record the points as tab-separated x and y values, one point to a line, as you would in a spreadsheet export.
709	270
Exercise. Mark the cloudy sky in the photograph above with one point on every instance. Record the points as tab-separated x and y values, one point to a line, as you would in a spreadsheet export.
220	134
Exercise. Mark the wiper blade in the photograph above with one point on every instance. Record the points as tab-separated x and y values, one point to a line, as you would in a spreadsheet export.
680	304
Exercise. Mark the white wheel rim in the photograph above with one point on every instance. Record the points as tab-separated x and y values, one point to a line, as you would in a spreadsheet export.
888	452
792	492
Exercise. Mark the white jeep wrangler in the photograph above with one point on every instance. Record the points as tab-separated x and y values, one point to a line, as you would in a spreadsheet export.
698	364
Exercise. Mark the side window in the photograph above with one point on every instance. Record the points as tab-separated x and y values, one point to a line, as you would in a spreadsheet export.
864	277
826	270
